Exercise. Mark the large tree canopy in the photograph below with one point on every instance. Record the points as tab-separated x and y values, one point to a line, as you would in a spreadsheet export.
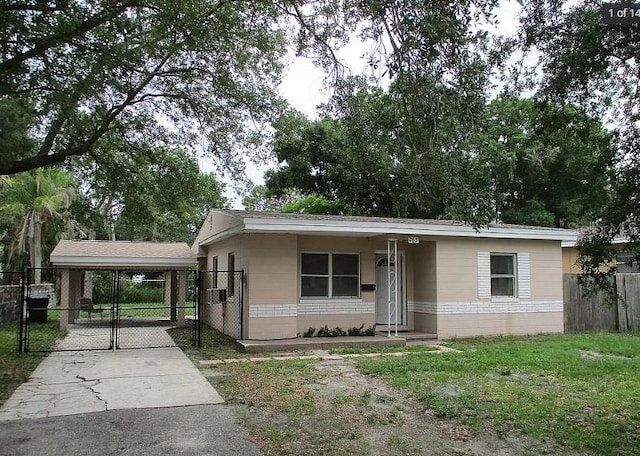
528	163
75	72
541	163
155	195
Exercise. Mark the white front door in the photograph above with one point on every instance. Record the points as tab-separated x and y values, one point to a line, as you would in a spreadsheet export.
382	292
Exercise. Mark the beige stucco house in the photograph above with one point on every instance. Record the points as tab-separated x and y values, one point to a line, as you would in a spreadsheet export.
433	276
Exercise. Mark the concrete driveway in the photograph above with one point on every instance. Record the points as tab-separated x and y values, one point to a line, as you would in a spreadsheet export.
198	430
128	402
68	383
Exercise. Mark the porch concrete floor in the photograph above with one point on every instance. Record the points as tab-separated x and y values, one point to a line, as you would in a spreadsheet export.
325	343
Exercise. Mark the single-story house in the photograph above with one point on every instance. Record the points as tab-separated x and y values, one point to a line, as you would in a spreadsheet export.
440	277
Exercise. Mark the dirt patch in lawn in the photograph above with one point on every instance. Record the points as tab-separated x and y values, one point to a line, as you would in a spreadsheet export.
590	354
330	408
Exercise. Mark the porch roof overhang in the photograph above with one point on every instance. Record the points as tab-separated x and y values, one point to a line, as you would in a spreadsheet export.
79	254
325	225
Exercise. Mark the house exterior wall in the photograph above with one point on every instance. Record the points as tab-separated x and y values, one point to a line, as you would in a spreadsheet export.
463	309
226	317
425	287
272	298
441	284
569	261
348	312
273	301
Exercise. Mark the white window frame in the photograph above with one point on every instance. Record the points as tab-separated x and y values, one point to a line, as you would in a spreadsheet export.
330	276
513	277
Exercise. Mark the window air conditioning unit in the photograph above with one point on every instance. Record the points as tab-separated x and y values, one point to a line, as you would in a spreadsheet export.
217	295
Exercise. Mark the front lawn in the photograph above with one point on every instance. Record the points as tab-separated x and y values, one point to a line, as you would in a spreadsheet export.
580	390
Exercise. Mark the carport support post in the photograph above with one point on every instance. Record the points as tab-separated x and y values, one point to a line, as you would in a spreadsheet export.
182	297
69	296
65	298
167	294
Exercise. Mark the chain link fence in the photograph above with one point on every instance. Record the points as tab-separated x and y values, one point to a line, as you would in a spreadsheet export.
40	329
11	295
49	309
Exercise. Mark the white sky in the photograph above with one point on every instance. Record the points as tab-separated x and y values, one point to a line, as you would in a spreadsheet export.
303	86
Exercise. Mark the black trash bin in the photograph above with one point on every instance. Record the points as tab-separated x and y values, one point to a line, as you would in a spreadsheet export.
38	309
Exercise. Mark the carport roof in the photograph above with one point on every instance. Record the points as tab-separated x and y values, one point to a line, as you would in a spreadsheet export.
79	254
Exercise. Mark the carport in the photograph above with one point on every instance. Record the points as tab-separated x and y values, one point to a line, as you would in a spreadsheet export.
75	257
111	295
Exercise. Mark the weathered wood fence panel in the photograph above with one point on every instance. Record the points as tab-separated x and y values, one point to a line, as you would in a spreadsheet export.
629	309
596	312
586	313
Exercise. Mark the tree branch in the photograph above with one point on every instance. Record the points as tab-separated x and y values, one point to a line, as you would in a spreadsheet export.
60	37
85	146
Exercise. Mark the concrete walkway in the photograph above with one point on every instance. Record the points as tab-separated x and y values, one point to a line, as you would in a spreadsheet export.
324	355
68	383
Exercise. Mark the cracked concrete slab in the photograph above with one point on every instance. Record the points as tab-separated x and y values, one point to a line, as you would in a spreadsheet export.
68	383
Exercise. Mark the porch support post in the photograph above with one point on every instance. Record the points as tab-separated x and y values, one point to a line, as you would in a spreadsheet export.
392	285
181	297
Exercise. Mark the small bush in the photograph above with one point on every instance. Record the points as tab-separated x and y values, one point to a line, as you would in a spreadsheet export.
325	331
370	331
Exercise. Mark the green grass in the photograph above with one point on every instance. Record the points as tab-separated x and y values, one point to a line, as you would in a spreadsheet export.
16	368
581	390
127	310
149	309
214	344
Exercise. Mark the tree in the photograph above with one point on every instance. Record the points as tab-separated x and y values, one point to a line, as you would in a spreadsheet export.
76	72
261	198
438	61
326	159
81	71
594	66
316	205
546	164
36	201
383	156
152	195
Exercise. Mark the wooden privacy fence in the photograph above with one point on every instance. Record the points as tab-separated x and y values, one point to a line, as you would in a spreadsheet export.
597	312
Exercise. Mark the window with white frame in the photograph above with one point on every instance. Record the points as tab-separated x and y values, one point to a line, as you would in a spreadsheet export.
329	275
503	274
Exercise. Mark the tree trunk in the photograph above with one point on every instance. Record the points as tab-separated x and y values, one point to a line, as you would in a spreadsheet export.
36	248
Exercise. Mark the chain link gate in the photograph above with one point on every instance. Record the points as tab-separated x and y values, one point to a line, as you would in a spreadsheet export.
113	310
142	322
